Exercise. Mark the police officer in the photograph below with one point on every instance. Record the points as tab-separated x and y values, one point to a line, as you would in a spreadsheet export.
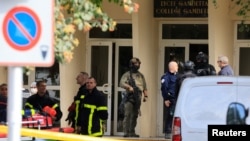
202	68
134	94
168	84
188	67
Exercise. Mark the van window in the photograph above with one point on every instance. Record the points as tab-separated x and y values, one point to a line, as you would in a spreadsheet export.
206	105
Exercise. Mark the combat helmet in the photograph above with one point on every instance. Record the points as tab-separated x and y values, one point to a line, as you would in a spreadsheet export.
189	65
132	64
202	57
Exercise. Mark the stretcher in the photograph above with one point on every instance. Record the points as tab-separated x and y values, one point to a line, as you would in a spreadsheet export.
43	122
3	136
40	123
37	121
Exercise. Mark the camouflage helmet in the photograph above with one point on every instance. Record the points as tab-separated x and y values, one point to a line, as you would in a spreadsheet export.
133	61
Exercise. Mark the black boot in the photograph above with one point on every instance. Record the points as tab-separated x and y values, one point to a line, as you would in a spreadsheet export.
134	135
168	136
126	135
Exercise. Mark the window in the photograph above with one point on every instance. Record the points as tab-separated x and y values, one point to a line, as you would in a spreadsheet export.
243	31
122	31
49	74
184	31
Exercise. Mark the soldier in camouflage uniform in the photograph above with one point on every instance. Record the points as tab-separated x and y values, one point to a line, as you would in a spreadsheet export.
133	96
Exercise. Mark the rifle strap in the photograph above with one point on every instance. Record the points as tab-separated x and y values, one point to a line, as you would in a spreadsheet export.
130	75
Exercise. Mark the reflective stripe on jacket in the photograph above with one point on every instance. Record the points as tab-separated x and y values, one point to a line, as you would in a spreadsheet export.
93	111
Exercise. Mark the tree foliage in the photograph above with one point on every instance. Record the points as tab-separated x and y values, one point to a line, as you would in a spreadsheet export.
86	14
244	9
83	16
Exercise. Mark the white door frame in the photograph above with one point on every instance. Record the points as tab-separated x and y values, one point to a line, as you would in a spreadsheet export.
242	43
161	72
106	88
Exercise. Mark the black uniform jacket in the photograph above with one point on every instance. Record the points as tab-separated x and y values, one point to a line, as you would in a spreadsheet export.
92	113
38	103
73	109
3	108
3	102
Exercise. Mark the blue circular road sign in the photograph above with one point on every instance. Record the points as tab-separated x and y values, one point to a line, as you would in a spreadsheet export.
21	28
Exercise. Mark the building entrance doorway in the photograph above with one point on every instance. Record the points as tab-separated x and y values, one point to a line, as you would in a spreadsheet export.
179	52
242	53
107	61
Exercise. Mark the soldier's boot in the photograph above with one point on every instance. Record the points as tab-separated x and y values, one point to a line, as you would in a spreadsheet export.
126	134
134	135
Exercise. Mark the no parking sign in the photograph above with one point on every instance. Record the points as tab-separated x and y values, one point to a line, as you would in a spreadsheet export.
27	33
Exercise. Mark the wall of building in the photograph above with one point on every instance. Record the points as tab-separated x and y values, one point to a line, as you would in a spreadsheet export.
144	47
68	73
221	39
115	11
3	76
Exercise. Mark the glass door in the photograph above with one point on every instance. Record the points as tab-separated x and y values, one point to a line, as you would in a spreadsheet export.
169	51
122	57
99	66
242	59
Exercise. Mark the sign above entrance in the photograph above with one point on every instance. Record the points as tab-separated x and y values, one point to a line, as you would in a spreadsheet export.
181	8
27	33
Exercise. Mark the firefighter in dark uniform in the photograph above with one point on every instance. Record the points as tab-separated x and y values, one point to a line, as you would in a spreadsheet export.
41	99
93	111
3	102
82	91
202	67
3	108
133	96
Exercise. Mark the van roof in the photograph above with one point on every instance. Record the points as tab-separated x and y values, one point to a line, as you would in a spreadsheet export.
219	80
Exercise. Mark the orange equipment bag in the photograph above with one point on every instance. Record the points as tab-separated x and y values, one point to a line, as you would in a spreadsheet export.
50	111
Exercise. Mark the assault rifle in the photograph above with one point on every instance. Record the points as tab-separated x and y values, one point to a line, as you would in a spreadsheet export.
136	92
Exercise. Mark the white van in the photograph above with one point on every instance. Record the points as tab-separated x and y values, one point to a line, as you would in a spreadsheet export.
204	101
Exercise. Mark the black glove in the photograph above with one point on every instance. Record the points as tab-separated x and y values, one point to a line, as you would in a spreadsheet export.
71	118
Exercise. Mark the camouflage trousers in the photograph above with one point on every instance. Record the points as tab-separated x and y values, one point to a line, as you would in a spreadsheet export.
130	118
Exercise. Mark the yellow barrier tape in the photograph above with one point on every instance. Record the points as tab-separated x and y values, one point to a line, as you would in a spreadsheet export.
43	134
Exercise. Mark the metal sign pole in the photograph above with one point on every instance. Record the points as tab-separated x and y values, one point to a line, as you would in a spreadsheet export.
15	85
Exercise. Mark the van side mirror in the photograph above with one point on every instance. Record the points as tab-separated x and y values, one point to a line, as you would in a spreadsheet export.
236	114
